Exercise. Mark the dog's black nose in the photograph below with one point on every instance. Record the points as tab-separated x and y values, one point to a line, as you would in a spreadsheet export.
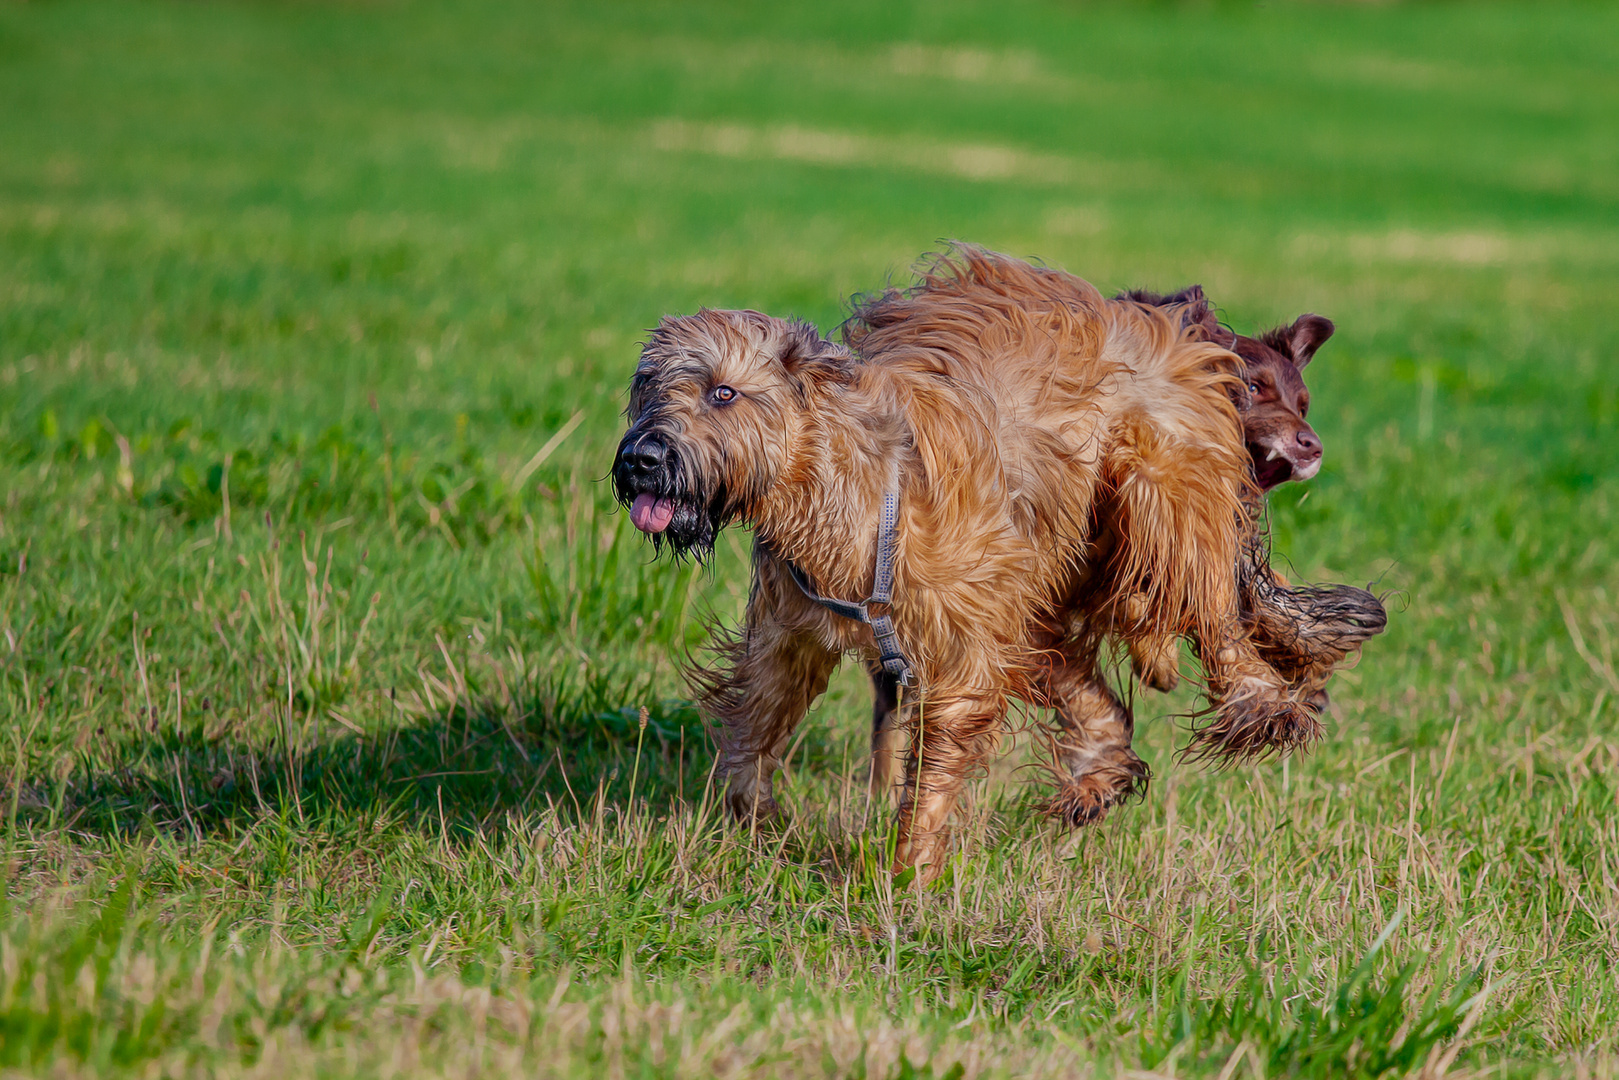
1309	443
643	456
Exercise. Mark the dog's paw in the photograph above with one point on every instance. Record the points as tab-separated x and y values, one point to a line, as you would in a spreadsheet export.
1082	803
1163	680
1155	668
748	810
925	852
1085	800
1254	728
1317	626
1154	657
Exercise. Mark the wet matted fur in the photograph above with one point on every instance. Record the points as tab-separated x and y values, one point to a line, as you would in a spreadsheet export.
1013	409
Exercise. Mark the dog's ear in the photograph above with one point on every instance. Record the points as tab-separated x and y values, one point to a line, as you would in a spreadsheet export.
1195	310
807	355
1190	295
1199	312
1307	334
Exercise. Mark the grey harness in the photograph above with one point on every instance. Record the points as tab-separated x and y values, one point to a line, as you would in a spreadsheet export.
882	627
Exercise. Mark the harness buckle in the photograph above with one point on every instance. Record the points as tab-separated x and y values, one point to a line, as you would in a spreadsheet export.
891	656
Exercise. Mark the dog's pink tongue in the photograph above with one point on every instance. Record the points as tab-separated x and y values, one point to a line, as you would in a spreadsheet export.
651	514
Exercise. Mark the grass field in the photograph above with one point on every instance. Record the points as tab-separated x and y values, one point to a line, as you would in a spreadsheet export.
324	651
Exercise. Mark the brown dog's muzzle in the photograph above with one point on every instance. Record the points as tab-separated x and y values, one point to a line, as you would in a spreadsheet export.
652	483
642	462
643	476
1281	458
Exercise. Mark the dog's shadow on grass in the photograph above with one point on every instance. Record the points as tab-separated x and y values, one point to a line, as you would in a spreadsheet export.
465	767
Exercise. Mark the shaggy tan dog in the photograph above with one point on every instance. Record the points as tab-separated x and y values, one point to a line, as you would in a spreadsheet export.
1012	413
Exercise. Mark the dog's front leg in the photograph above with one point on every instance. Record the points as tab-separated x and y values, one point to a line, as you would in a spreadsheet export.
952	734
769	676
1255	712
1306	633
887	738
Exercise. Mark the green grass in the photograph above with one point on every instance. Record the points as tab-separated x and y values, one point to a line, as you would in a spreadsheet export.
322	743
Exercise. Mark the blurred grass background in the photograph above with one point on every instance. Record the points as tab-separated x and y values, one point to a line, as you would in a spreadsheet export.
323	650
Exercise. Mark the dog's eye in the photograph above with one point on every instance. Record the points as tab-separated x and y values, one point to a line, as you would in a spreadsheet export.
1253	388
722	395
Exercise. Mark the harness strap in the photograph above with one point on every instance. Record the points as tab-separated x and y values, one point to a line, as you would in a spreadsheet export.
882	627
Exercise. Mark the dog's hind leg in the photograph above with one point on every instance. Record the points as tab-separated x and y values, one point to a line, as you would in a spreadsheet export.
887	738
1097	769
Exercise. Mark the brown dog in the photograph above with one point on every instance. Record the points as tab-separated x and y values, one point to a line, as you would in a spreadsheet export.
997	415
1304	634
1281	444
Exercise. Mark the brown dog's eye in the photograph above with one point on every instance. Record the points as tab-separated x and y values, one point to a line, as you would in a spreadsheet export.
1253	388
722	395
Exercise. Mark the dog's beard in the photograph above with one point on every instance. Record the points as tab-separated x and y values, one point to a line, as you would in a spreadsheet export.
691	531
672	515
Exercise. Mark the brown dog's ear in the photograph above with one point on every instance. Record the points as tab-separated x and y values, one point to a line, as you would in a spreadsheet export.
1195	310
1308	333
806	354
1199	312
